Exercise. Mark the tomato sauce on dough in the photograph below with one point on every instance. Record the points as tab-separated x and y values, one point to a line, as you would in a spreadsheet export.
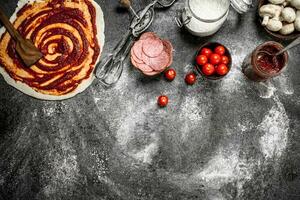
65	32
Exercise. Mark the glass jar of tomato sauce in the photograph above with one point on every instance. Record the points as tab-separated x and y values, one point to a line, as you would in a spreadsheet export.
261	65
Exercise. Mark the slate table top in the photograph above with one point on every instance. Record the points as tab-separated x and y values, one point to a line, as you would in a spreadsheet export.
228	139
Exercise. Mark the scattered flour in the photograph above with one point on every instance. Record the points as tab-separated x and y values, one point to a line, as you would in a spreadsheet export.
275	126
34	113
224	168
192	114
284	84
280	83
99	166
64	166
49	111
219	171
232	82
146	154
190	110
96	99
128	130
244	126
266	90
125	132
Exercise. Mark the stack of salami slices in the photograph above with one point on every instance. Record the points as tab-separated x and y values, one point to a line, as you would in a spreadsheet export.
151	55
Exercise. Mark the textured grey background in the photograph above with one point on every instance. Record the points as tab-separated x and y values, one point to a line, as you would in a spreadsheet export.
230	139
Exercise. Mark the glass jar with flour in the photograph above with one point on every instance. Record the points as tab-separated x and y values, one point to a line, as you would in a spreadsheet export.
205	17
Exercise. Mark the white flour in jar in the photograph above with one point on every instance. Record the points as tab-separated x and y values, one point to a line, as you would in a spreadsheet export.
209	9
207	16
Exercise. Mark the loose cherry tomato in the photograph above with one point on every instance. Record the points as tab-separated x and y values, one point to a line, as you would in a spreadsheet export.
201	60
190	78
162	101
215	59
206	52
170	74
220	50
208	69
224	60
222	69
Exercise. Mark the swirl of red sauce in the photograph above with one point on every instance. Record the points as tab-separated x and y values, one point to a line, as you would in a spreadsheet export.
65	32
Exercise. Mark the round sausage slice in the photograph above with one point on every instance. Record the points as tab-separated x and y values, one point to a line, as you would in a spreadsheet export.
159	63
134	63
153	73
148	35
133	56
145	68
138	49
152	47
145	59
169	49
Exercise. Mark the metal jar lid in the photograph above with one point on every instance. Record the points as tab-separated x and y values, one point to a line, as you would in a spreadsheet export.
197	8
241	6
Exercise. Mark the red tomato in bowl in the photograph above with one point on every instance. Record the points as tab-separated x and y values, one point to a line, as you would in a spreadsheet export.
220	50
224	60
214	59
201	59
208	69
222	69
206	52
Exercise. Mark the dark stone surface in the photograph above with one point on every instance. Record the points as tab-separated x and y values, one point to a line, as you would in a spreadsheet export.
230	139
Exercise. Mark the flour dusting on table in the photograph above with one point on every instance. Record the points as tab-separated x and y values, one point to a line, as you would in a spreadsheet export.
275	126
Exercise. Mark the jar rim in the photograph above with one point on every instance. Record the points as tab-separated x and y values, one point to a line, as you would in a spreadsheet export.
209	20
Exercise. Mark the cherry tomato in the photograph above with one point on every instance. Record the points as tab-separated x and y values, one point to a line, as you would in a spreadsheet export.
190	78
201	60
206	52
170	74
222	69
224	60
220	50
162	101
215	59
208	69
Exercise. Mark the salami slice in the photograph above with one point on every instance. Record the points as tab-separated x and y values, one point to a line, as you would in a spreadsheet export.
168	46
160	63
153	73
138	49
134	63
148	35
145	68
136	59
152	47
169	49
145	59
